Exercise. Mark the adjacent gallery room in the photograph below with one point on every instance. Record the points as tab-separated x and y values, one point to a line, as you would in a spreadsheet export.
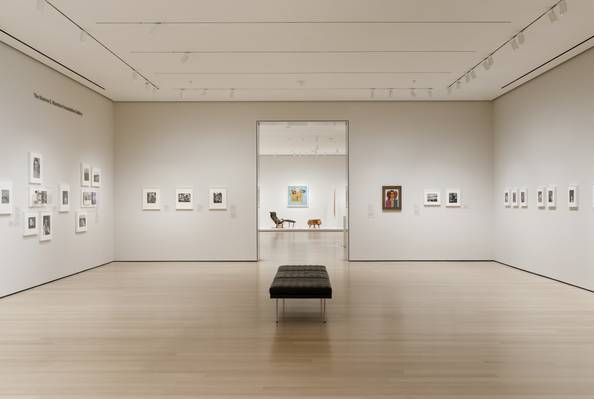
287	199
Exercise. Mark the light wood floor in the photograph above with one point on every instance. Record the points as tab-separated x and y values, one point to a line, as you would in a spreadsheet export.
395	330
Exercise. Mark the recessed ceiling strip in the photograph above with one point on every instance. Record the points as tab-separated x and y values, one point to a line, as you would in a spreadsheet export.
310	73
297	52
287	22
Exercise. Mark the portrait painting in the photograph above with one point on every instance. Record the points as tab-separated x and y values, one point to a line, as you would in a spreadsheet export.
392	198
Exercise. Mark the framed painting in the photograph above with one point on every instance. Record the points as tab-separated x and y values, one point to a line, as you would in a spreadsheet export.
297	196
392	198
217	199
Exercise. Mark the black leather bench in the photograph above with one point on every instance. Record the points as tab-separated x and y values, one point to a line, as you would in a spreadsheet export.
301	281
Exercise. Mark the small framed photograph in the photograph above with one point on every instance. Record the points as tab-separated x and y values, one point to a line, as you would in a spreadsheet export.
184	198
38	197
81	222
94	195
96	177
86	198
572	197
552	197
217	198
453	198
506	198
64	197
297	196
35	168
6	198
541	193
514	198
45	233
85	175
392	198
523	198
151	199
30	224
432	198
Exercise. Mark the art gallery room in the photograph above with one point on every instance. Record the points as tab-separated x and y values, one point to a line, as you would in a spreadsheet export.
297	199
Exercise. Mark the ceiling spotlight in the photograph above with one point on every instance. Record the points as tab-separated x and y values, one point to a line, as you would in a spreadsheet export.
553	16
563	7
40	5
372	93
204	91
430	92
182	94
490	60
467	77
301	82
83	36
146	85
154	90
473	74
232	93
449	90
514	44
458	85
184	58
413	92
154	27
486	65
134	75
521	38
390	93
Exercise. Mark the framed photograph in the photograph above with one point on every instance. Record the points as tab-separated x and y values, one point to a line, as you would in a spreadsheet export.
85	198
552	197
30	224
38	197
184	198
572	197
541	193
35	168
64	197
506	198
514	198
432	198
45	233
151	199
217	198
454	198
85	175
81	222
523	198
94	195
297	196
392	198
96	177
5	198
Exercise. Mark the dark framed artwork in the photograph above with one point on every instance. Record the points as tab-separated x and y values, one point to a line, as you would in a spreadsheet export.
392	198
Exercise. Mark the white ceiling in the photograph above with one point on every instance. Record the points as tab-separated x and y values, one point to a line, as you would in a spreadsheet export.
295	49
302	138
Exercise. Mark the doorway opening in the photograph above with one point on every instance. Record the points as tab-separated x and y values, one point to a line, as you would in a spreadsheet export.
302	188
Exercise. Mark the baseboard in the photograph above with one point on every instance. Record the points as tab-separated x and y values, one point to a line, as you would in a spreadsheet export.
298	230
420	260
543	276
187	261
54	280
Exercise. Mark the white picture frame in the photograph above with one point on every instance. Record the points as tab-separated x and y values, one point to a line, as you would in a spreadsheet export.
151	199
184	198
453	198
38	197
82	222
551	197
86	198
64	198
541	195
35	168
217	198
30	224
523	198
85	175
6	198
506	198
45	226
432	198
96	177
515	202
573	197
94	198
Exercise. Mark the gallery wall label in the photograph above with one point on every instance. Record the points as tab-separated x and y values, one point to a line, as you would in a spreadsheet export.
57	104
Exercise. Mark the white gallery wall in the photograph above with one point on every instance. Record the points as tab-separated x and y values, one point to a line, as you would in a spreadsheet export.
65	140
326	178
433	145
544	136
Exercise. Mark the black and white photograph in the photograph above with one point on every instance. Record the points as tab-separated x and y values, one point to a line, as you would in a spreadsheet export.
540	197
85	198
151	199
523	198
46	226
30	224
217	199
35	168
552	197
38	197
93	198
5	198
184	198
64	195
514	198
85	175
96	177
506	199
453	198
81	222
432	198
572	197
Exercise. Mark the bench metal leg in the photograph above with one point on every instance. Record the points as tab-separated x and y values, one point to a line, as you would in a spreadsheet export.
324	310
277	310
